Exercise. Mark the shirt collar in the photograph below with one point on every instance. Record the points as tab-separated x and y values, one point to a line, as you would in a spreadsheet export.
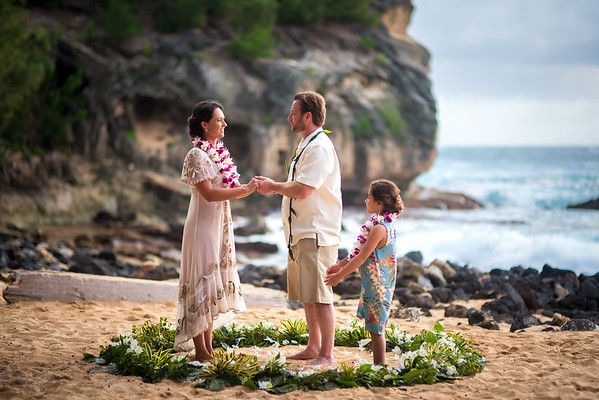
310	136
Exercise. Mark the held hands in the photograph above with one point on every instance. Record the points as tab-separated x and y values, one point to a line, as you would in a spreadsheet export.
265	185
252	185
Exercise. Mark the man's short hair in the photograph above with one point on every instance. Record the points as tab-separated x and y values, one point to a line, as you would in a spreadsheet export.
314	103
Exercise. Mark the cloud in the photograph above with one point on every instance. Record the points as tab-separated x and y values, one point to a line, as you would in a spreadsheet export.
513	71
489	121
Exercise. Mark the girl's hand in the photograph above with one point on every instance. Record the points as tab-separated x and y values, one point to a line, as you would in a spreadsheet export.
333	269
333	279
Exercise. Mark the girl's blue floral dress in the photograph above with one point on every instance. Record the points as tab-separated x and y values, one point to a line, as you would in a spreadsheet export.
378	283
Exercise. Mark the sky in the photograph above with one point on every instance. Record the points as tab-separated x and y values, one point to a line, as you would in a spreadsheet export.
513	72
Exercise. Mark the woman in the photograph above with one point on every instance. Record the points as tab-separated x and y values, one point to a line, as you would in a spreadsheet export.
209	283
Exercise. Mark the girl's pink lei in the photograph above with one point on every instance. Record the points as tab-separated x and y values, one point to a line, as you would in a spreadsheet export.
222	158
365	230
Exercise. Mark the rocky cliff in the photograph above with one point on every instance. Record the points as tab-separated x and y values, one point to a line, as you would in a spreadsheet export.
380	107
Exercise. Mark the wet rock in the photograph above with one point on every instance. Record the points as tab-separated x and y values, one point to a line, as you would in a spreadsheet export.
435	275
524	322
415	256
456	310
448	272
589	289
579	325
255	226
407	299
548	329
442	295
257	247
588	205
410	313
475	317
85	262
342	253
416	288
489	324
409	270
482	319
163	272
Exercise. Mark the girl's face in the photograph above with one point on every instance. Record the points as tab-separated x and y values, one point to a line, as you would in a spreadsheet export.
373	206
215	128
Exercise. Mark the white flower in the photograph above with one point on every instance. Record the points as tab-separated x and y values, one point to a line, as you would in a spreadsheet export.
448	342
451	370
303	374
422	351
134	347
376	367
196	364
285	342
434	363
363	343
396	350
461	360
362	361
265	384
273	342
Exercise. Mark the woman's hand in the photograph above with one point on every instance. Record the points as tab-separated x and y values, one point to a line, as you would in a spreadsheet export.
252	185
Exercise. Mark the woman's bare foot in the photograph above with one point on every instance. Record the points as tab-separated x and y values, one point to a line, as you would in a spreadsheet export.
304	355
320	360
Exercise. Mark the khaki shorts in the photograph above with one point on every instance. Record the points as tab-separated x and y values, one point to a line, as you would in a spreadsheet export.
305	275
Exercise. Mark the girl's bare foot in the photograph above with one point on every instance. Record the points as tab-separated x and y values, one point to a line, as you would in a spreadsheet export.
304	355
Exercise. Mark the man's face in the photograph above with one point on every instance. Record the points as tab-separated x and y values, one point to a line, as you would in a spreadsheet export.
295	118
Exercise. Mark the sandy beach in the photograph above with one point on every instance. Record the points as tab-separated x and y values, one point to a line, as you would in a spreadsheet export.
43	342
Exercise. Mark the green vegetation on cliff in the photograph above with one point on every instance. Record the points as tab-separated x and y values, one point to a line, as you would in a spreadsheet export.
38	104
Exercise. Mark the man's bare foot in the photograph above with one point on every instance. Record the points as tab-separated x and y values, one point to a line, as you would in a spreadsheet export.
201	357
320	360
304	355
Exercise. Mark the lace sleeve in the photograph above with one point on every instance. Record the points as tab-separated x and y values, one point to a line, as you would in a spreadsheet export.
196	168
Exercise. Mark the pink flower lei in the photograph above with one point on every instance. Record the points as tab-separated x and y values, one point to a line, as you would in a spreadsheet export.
222	158
367	227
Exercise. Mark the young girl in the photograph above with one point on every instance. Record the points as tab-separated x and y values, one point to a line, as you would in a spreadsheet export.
375	255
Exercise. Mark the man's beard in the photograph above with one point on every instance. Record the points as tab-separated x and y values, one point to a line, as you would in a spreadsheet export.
297	128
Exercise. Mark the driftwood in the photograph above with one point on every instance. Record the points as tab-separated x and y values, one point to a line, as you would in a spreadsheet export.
67	286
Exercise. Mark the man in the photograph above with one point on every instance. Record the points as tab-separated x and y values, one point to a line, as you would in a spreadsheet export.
311	211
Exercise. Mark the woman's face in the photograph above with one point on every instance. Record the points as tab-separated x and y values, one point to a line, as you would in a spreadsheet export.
373	206
215	128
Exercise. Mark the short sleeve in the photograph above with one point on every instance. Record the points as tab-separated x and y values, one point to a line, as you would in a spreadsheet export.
197	167
315	165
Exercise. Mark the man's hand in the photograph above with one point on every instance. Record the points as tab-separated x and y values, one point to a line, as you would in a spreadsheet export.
265	185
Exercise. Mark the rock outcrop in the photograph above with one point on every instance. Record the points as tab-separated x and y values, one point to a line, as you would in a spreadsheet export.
139	93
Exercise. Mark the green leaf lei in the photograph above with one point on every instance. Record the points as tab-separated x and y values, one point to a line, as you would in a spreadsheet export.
427	357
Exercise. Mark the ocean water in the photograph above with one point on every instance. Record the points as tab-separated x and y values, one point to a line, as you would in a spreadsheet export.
525	221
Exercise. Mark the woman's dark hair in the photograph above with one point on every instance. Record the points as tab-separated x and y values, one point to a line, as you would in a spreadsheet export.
202	112
388	194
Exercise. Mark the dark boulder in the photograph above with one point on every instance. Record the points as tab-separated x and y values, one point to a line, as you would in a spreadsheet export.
579	325
456	310
415	256
442	295
524	322
587	205
257	247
